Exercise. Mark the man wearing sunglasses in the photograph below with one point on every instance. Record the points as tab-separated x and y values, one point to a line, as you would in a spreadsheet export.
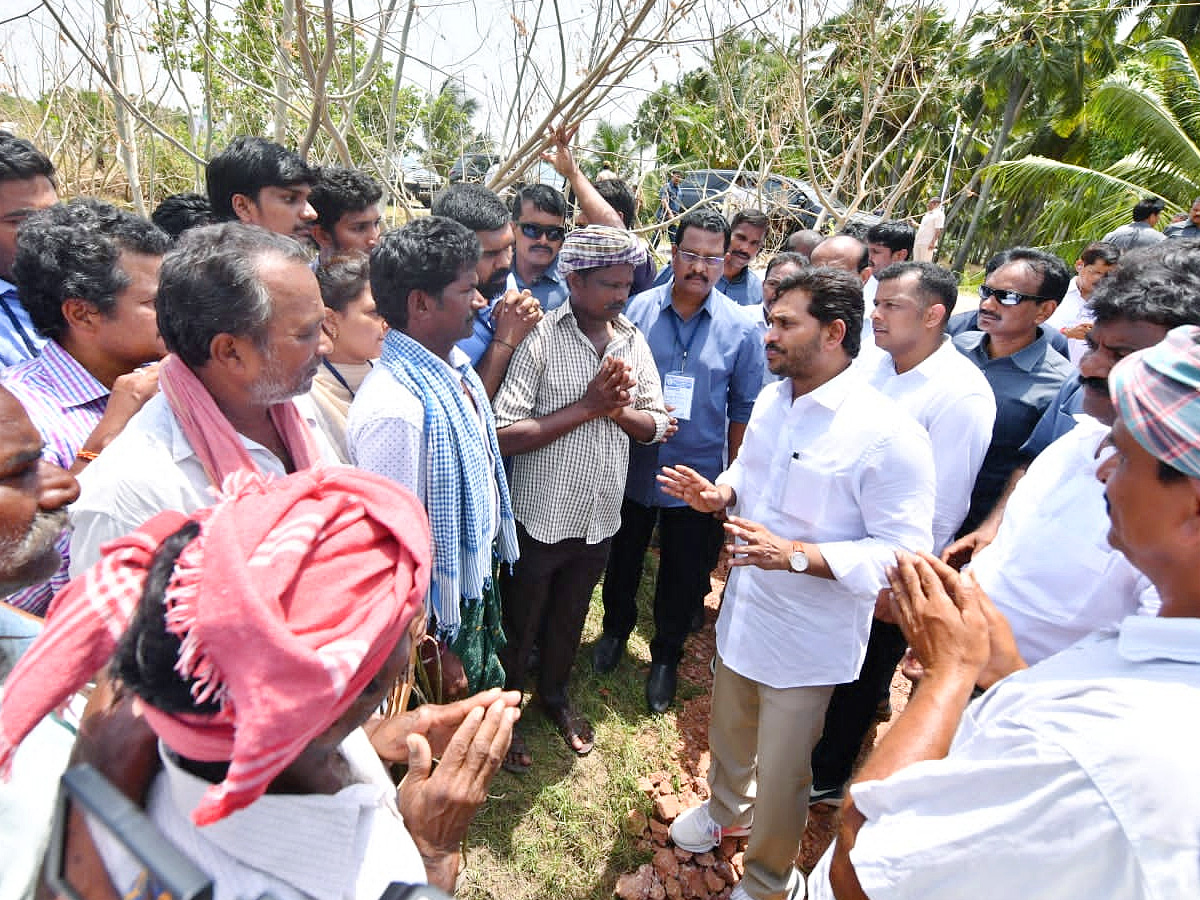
1022	289
539	225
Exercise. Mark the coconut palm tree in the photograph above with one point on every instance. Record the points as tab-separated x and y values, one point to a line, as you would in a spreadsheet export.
1146	118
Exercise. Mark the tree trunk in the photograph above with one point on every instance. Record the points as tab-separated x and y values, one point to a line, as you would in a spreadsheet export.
126	133
1016	100
282	83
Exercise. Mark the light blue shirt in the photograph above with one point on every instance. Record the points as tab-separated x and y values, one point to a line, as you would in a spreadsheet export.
551	289
19	340
724	356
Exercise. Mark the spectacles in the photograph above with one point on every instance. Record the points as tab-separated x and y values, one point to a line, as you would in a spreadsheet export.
689	258
1007	298
533	231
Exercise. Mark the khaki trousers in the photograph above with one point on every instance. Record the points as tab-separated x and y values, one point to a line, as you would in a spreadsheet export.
762	740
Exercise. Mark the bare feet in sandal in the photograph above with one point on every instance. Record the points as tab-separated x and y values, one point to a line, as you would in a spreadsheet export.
518	759
576	731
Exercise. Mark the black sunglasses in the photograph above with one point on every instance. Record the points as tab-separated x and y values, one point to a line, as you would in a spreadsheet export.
533	232
1007	298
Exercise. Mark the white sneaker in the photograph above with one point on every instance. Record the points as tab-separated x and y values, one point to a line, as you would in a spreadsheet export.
696	832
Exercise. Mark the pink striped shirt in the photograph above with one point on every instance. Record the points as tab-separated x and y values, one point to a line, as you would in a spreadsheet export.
65	402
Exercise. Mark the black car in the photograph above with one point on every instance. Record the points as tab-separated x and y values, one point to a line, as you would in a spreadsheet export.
790	204
472	167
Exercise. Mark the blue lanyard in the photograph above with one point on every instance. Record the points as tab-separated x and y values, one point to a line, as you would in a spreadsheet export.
338	375
687	348
18	327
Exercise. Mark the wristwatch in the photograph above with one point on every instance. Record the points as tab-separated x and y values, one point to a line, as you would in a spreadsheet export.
798	559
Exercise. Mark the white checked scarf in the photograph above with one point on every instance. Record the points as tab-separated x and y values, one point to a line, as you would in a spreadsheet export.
458	463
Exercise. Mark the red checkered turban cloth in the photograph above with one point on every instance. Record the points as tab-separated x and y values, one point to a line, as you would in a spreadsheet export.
1157	392
287	603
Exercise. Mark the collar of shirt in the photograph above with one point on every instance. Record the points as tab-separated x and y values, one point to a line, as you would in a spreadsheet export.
564	315
664	301
927	369
551	274
259	836
72	384
7	287
1146	638
833	392
181	449
1026	359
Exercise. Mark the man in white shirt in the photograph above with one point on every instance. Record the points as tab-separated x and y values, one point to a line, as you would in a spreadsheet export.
953	402
848	253
1073	318
1076	777
240	309
832	479
929	231
422	418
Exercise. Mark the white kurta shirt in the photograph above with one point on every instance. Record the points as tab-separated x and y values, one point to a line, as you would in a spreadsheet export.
1073	310
150	467
843	467
1074	778
345	846
1050	569
952	400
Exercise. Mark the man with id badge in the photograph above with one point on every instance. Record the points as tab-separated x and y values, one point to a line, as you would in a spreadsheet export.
833	478
709	359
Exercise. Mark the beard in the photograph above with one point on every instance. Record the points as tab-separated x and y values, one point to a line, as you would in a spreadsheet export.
494	286
32	558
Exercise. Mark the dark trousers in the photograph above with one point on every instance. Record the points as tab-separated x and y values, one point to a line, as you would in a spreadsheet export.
852	708
689	543
546	600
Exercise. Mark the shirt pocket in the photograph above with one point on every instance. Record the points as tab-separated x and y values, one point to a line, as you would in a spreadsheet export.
808	486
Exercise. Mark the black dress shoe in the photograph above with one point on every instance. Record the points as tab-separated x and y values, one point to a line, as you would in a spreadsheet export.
660	687
607	653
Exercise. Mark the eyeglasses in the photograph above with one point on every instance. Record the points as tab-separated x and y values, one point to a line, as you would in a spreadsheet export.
689	258
533	231
1007	298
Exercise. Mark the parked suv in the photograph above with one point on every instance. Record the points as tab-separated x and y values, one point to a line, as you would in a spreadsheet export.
790	204
472	167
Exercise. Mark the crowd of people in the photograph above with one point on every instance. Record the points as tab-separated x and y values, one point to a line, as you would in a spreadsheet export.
261	456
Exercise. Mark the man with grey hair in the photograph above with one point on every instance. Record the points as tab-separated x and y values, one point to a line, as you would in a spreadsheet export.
240	312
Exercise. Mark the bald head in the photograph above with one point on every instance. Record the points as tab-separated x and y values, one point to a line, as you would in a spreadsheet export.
803	242
841	252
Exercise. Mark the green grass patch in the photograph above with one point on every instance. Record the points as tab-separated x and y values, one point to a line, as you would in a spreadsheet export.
556	830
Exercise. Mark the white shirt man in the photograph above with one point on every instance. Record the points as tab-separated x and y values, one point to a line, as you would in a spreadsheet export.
928	232
831	480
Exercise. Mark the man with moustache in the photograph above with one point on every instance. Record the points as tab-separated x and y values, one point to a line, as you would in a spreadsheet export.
89	275
1020	292
747	232
422	418
240	313
1048	567
581	386
258	182
509	315
539	215
832	480
952	401
709	360
34	495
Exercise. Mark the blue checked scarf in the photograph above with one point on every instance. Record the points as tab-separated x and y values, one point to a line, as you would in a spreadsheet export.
456	496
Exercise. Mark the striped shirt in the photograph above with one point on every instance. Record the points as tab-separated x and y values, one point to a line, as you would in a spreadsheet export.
572	487
65	402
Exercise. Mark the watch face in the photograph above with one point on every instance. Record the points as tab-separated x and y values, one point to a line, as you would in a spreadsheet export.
798	560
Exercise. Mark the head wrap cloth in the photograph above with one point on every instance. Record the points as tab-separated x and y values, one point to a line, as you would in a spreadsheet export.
1157	393
597	246
287	604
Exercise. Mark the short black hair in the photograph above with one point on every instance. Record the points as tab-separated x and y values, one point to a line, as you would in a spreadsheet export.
343	279
20	159
543	197
617	194
249	164
1100	251
856	230
833	294
210	285
339	190
1158	284
472	205
934	284
1146	207
755	218
1056	277
896	236
786	256
426	254
179	212
73	251
704	218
